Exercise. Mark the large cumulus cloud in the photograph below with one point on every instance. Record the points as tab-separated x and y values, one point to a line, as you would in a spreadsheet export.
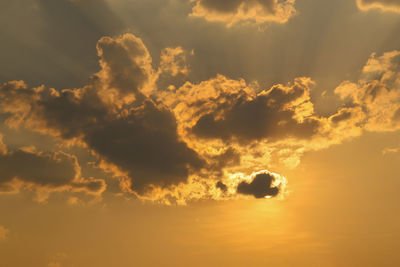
174	143
271	114
244	11
112	116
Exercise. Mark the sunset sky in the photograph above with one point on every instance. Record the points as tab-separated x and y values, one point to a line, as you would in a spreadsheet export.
199	133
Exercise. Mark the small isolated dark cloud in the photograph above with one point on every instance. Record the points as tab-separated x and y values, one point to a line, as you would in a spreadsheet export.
260	187
220	185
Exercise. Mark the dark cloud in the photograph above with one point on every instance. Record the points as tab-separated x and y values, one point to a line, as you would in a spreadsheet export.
41	170
343	116
266	116
221	186
141	141
45	171
253	11
193	135
136	135
260	187
144	143
126	64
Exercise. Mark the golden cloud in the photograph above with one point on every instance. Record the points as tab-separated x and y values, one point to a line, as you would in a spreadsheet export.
198	140
377	92
244	11
383	5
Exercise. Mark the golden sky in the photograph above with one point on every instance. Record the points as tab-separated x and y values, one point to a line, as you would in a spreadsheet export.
199	133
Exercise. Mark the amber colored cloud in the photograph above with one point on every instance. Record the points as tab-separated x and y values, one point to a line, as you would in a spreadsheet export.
383	5
222	114
112	116
232	12
172	143
377	92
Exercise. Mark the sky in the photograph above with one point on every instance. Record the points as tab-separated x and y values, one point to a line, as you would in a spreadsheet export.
199	133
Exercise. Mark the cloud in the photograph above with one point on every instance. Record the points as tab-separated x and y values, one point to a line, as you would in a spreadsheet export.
390	150
126	70
377	92
3	233
141	141
222	186
174	143
112	116
279	122
270	114
173	61
198	188
383	5
260	187
44	173
232	12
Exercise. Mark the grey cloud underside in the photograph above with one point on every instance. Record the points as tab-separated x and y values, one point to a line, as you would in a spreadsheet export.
140	137
145	143
263	117
44	170
231	6
142	142
37	169
125	63
259	187
341	117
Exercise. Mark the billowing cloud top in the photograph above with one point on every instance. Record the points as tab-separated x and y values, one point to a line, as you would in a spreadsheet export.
377	92
244	11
